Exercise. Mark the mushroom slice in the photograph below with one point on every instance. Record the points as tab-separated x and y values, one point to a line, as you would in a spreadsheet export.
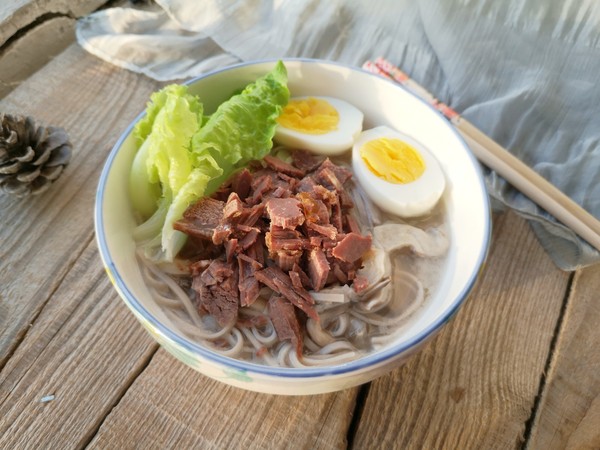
395	236
376	264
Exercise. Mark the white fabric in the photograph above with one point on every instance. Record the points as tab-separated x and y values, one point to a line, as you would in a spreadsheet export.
523	71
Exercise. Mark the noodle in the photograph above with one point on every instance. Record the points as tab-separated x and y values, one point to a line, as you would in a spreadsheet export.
350	324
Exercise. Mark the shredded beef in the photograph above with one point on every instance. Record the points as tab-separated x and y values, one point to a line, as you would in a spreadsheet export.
306	184
295	277
303	277
341	276
318	268
234	206
279	165
281	283
250	238
285	226
281	239
285	212
305	160
241	183
231	248
340	172
259	187
350	224
329	231
218	292
352	247
285	321
286	259
314	209
360	284
248	284
201	218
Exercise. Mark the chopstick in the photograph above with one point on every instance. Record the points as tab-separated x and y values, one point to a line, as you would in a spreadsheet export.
490	153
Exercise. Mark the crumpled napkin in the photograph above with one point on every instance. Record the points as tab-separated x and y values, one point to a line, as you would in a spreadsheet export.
522	71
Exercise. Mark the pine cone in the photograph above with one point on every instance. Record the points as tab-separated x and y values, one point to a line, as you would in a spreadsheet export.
31	156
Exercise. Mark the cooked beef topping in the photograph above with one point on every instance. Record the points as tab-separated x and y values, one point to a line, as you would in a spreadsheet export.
241	182
201	218
259	187
250	238
303	277
314	209
341	276
340	172
234	206
286	259
350	223
288	227
281	239
306	184
352	247
295	277
360	284
281	166
248	284
285	212
305	160
285	321
329	231
318	268
281	283
218	291
231	248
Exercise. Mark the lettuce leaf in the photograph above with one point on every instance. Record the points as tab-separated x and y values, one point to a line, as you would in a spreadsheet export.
184	155
163	162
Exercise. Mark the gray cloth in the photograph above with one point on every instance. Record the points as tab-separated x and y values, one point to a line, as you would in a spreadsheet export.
525	72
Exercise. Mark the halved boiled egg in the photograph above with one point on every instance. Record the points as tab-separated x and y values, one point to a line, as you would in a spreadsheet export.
398	174
323	125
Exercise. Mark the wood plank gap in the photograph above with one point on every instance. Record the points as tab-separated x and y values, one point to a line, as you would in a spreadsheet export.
126	387
550	358
22	337
49	16
30	26
93	287
359	407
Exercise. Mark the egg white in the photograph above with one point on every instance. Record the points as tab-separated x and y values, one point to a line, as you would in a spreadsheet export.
406	200
332	143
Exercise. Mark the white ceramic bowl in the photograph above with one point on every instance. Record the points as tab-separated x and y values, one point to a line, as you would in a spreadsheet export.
383	103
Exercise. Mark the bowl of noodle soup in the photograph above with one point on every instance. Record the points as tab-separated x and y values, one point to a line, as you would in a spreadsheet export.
426	266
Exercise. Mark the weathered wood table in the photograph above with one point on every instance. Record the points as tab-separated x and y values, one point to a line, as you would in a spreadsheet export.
519	366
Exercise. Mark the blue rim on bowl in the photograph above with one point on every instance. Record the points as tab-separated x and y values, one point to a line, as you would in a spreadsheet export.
353	366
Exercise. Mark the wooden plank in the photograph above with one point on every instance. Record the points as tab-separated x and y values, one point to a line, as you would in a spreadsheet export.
568	416
17	14
33	50
41	237
474	386
182	409
85	349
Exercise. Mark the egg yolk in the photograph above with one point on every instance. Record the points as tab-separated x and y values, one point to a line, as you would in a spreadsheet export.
393	160
310	116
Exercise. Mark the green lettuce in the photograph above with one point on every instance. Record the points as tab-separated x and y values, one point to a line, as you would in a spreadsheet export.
184	155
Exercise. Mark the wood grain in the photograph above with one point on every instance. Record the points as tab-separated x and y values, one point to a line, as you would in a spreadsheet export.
569	413
17	14
42	237
33	50
85	349
182	409
475	386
